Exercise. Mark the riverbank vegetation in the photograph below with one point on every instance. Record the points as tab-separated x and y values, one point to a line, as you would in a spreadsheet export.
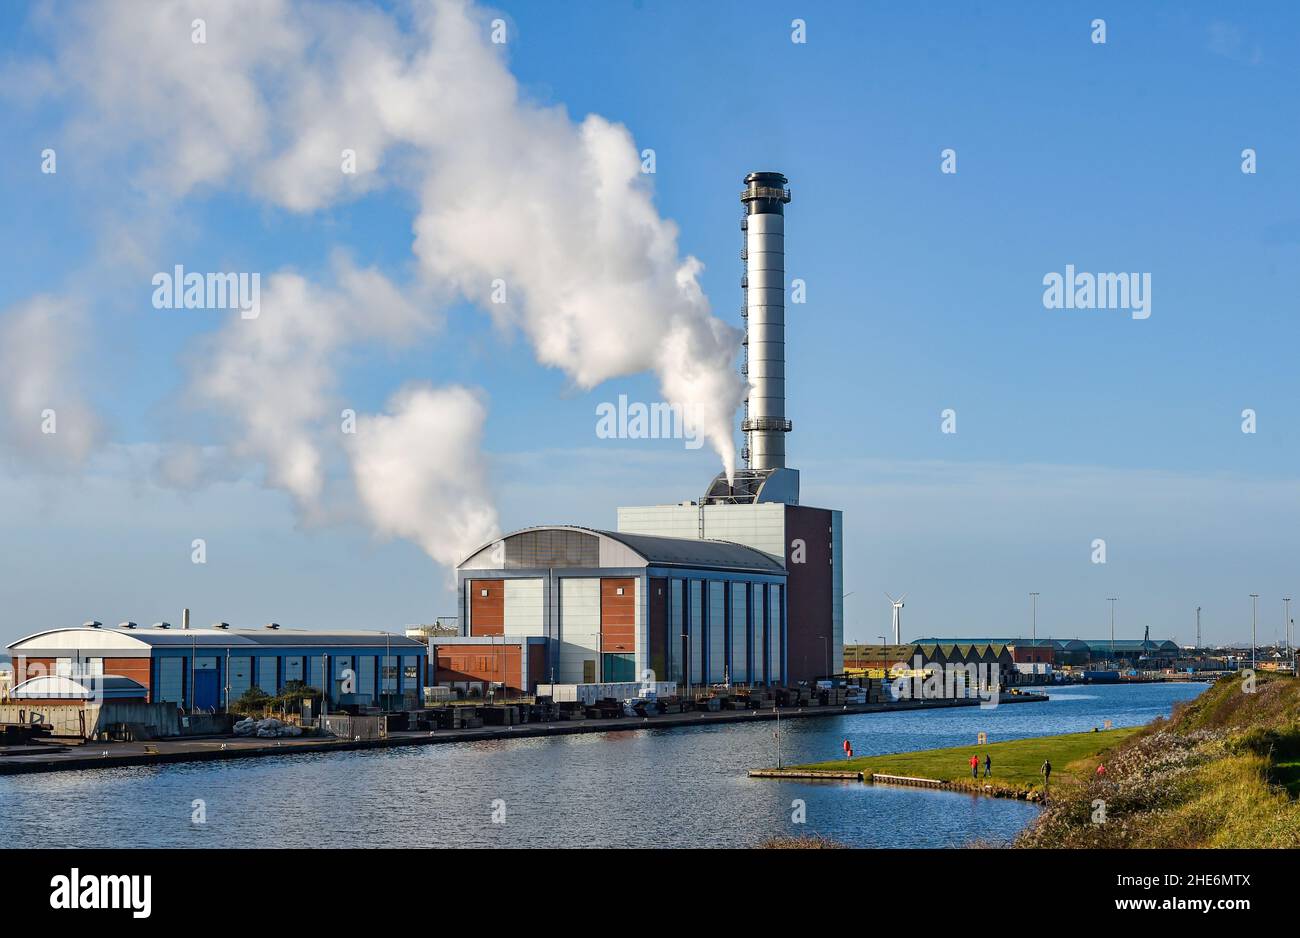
805	842
1223	771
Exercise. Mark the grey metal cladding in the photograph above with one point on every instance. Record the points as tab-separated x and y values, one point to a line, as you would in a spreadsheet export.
551	547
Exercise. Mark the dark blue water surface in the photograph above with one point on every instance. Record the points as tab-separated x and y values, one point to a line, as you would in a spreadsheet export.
642	788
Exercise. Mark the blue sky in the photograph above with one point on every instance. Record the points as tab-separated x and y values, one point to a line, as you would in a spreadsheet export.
924	293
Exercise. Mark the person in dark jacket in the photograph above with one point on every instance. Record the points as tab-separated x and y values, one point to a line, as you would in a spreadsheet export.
988	765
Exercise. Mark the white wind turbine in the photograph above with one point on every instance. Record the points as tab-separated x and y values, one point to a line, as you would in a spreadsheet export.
898	626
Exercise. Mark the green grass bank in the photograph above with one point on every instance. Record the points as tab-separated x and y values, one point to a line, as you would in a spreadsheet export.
1016	763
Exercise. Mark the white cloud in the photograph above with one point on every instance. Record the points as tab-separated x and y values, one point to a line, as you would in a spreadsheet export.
45	416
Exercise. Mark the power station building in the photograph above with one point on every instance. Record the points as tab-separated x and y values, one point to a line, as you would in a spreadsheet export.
742	584
573	605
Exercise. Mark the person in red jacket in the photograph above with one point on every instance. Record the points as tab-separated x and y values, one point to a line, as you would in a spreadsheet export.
974	766
1101	770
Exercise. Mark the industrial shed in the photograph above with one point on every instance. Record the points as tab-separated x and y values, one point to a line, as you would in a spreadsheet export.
206	669
930	652
612	605
1055	651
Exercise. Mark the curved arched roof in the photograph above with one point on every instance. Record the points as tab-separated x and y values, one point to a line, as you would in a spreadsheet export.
137	642
574	546
61	687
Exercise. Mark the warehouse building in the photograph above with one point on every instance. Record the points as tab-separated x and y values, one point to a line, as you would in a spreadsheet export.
877	657
1074	652
583	606
1058	652
206	669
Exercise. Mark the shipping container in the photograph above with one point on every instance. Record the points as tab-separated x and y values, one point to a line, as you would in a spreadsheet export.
589	694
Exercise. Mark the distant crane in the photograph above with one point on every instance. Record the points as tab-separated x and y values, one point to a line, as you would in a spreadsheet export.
897	624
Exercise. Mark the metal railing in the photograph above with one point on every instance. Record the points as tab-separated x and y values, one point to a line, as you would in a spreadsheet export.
765	192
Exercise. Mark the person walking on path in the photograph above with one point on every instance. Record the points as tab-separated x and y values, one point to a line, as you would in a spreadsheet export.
974	766
988	765
1101	770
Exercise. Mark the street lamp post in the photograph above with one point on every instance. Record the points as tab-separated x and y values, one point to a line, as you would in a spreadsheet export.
1112	600
1286	621
1254	605
1198	628
686	663
1034	619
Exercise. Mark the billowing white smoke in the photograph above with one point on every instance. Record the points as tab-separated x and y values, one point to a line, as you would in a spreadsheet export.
559	218
517	203
276	375
43	410
420	473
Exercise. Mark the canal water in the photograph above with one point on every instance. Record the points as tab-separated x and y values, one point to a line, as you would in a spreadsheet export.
644	788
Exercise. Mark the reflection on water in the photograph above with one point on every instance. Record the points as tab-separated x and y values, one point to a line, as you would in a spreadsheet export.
641	788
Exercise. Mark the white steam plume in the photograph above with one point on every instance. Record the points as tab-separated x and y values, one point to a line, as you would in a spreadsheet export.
509	191
276	376
420	473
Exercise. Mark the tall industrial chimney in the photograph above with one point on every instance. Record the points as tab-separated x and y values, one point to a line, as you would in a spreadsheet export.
765	424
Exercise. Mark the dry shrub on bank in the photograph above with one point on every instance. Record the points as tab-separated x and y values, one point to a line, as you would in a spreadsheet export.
804	842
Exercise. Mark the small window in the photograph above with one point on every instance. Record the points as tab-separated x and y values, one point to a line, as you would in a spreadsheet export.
482	592
618	591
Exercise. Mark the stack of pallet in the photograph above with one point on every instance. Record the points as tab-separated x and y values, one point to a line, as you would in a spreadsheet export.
798	696
501	716
831	696
457	718
471	718
763	698
605	709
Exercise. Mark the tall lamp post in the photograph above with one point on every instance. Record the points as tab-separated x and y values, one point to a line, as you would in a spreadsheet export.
1198	628
1033	634
1286	621
1111	600
686	663
1254	604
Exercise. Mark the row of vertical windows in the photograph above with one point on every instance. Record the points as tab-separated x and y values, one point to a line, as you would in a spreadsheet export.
271	673
755	631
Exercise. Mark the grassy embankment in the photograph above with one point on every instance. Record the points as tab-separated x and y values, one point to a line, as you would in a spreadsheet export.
1223	771
1016	763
